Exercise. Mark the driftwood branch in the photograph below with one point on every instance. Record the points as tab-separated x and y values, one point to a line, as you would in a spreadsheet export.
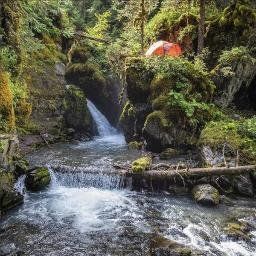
213	171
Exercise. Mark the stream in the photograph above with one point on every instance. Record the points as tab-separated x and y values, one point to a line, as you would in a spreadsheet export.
90	210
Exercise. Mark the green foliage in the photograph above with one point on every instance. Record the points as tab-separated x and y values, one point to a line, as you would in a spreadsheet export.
54	17
236	54
100	30
8	58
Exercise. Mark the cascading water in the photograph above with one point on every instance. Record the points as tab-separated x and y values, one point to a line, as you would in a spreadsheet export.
87	211
103	126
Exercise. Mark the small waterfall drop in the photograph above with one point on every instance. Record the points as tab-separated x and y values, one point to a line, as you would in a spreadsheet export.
19	186
103	126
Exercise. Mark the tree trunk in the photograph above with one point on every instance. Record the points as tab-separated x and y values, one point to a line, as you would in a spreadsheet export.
142	25
214	171
201	27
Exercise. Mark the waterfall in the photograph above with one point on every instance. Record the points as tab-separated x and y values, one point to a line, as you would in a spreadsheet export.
103	126
19	186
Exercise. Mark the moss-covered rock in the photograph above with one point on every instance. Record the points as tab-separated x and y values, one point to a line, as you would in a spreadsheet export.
237	230
21	167
135	145
9	198
162	246
138	79
156	131
206	195
142	164
132	120
77	115
179	92
38	179
235	133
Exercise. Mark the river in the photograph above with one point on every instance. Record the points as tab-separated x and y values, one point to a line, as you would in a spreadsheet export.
88	210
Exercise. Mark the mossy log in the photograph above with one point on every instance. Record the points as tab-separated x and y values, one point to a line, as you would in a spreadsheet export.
213	171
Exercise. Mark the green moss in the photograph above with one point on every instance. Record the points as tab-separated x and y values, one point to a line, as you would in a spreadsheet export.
158	117
138	78
238	134
128	111
135	145
38	179
237	229
7	117
142	164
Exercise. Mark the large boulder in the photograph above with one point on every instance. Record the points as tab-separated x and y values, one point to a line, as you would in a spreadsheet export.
132	120
206	195
77	115
38	179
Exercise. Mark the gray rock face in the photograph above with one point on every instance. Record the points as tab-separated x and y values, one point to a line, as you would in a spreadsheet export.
243	185
210	157
60	69
206	195
243	74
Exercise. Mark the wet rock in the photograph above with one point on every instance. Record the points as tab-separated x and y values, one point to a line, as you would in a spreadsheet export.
169	153
142	164
237	230
206	195
243	185
161	246
9	198
38	179
77	115
21	167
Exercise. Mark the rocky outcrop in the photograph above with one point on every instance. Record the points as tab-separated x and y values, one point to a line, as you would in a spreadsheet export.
160	108
77	115
101	89
206	195
241	74
37	179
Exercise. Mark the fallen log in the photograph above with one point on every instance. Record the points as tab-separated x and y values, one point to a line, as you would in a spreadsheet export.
212	171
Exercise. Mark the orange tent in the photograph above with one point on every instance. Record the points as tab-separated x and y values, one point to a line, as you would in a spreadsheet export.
162	48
